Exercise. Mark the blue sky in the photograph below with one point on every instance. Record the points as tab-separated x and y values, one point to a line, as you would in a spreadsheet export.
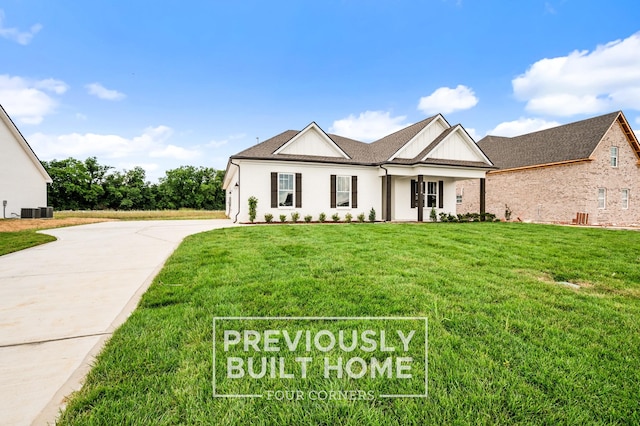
161	84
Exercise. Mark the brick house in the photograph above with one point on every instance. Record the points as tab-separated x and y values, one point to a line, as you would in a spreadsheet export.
582	172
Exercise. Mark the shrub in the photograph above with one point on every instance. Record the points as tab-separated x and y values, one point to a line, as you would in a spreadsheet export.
488	217
372	215
348	217
268	217
322	217
335	217
361	218
295	216
283	218
253	206
307	218
433	215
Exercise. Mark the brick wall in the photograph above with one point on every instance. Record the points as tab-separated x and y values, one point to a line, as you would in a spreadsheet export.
556	193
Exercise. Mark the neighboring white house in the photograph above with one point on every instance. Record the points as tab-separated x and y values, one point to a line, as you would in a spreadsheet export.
401	176
23	179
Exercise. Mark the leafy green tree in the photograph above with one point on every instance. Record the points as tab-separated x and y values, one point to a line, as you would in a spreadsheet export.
71	185
191	187
94	193
91	185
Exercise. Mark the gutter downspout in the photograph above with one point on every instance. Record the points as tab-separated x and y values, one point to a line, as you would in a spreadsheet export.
235	220
386	195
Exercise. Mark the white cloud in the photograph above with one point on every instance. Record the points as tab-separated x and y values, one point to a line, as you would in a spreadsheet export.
154	149
583	82
176	152
102	92
368	126
548	8
521	126
80	146
14	34
472	132
27	100
446	100
217	144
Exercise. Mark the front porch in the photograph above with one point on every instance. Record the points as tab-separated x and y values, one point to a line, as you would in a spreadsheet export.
410	194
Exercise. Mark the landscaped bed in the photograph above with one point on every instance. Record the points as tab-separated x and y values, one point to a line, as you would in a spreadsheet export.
509	341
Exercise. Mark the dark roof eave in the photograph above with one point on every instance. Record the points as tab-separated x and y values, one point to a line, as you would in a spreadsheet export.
305	160
370	164
432	162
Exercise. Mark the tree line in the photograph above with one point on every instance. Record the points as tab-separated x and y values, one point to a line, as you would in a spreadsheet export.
89	185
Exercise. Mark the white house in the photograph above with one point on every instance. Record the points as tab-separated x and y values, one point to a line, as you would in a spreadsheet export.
401	176
23	180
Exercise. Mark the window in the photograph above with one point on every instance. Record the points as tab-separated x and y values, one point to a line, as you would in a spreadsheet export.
343	191
602	198
459	196
432	194
285	189
625	198
614	156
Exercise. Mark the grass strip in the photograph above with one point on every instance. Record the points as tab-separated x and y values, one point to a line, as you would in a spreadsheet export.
15	241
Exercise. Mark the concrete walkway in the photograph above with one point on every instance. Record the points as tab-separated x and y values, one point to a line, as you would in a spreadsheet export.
60	302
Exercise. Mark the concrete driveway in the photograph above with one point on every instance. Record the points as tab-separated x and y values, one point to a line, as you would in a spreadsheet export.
60	302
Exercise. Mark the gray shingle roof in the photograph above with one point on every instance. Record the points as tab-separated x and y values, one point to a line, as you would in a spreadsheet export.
384	148
360	153
570	142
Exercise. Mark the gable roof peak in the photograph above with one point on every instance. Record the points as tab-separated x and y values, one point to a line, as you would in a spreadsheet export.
570	142
4	116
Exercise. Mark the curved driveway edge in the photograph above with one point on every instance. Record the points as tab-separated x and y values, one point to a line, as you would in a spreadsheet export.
60	302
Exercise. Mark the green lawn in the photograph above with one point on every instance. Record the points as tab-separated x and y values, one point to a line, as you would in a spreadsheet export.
20	240
507	343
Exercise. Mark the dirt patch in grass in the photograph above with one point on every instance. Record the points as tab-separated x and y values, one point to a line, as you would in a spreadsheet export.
14	225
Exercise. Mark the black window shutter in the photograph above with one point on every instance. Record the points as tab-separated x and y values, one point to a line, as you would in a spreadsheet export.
414	192
298	190
354	192
333	191
274	190
441	194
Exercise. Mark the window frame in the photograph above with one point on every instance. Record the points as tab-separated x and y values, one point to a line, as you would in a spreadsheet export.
614	156
431	198
624	193
602	198
292	190
342	179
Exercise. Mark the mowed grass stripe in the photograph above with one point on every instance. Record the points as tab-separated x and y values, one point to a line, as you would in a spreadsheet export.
508	345
15	241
